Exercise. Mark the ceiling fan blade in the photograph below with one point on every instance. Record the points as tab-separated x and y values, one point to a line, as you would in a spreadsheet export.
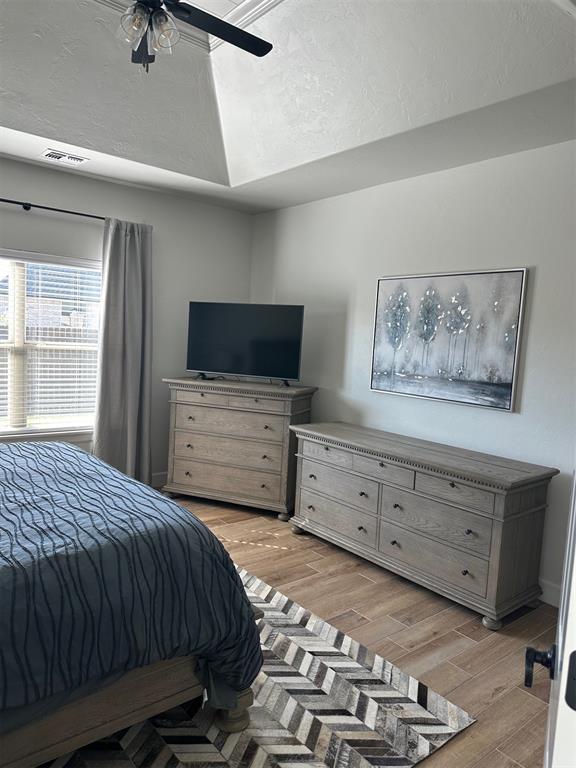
218	27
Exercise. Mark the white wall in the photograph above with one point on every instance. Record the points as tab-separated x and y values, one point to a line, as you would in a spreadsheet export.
199	252
507	212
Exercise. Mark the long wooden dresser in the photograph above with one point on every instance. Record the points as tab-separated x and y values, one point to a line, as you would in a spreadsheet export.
231	440
464	524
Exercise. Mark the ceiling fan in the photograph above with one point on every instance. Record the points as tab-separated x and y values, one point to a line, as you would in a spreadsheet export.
150	29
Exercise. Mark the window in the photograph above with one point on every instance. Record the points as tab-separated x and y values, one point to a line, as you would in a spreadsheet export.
49	316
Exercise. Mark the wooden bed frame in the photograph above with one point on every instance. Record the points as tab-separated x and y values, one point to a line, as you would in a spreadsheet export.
138	695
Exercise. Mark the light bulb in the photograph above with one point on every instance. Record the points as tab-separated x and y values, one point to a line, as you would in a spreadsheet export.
163	34
133	24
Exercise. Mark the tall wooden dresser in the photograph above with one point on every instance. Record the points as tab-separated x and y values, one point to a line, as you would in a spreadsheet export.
467	525
231	440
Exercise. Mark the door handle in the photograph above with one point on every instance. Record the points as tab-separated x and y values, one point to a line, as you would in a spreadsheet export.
546	658
570	694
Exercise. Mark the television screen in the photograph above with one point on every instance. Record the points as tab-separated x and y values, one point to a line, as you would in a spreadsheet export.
245	339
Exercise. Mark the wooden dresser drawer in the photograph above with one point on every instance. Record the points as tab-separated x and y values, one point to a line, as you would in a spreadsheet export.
452	525
431	557
456	492
381	470
257	404
244	453
327	453
206	398
341	485
228	422
231	480
337	518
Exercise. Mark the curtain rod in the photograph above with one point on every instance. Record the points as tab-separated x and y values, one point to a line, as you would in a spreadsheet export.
28	206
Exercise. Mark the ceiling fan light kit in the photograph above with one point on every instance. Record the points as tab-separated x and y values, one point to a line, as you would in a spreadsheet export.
133	25
149	27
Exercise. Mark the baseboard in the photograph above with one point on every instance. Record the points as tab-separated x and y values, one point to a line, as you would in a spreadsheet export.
159	479
550	592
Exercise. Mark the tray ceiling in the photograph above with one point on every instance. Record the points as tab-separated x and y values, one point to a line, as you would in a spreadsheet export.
353	94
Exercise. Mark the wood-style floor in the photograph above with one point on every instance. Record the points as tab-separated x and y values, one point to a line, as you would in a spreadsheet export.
441	643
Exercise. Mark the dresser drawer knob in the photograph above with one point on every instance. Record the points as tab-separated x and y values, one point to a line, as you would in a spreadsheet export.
264	457
326	447
363	493
312	477
394	543
396	506
311	508
361	528
202	394
187	473
256	400
190	418
189	445
452	484
266	426
468	531
263	485
381	464
465	572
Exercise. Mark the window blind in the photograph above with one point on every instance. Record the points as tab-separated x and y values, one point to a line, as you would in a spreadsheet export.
49	315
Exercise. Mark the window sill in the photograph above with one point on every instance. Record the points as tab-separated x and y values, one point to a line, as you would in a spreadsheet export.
74	435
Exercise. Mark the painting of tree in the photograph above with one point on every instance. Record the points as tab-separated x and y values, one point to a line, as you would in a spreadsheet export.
430	315
458	332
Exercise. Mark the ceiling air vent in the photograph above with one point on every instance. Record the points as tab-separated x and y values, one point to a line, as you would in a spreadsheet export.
63	158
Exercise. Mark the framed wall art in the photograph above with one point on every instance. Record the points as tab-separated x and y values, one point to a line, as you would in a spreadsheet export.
451	336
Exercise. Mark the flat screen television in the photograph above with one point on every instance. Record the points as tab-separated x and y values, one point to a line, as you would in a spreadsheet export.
259	340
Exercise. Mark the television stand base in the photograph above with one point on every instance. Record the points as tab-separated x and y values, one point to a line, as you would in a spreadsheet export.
240	431
203	377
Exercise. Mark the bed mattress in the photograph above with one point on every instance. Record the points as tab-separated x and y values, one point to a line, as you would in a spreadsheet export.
100	574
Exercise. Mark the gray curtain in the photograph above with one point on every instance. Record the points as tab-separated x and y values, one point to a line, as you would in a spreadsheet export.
122	429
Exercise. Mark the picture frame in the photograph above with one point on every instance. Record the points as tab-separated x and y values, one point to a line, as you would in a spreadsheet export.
450	336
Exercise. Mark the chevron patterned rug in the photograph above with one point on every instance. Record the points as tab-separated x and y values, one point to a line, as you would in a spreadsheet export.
321	699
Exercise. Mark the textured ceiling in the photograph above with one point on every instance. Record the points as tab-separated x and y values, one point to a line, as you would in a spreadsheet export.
218	7
344	74
354	93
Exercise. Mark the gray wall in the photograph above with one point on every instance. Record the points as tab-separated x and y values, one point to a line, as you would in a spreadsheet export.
200	252
509	212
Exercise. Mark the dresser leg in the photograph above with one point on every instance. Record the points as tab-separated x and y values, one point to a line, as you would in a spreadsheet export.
284	516
298	531
493	624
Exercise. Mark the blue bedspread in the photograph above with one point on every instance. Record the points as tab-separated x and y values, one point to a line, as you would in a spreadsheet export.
100	574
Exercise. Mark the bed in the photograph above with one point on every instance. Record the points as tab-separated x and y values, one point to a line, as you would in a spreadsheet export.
115	605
